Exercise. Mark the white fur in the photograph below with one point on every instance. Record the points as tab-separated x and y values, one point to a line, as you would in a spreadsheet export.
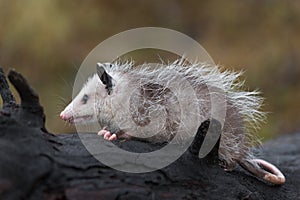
243	107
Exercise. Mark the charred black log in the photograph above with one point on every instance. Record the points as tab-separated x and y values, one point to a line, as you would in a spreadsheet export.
30	113
35	164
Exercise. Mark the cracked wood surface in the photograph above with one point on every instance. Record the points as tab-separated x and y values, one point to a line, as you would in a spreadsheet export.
35	164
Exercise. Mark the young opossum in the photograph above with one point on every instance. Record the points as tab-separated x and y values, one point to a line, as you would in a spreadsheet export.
151	106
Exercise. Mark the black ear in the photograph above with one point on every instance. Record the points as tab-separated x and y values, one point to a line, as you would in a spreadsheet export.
105	78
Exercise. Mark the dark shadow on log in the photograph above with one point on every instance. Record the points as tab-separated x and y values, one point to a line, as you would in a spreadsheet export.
215	130
39	165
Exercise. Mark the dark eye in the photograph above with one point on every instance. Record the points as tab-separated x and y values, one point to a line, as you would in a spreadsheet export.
85	98
110	65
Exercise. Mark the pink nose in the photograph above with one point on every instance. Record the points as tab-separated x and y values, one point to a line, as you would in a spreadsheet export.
63	116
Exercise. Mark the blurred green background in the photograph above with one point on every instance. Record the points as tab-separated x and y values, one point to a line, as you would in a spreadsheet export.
47	41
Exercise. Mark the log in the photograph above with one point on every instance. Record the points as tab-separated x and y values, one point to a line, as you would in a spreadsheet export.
36	164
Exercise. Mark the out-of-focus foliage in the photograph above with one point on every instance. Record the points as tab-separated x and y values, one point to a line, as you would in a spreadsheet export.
47	41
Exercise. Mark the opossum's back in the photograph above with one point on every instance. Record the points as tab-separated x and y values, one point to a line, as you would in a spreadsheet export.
158	108
155	108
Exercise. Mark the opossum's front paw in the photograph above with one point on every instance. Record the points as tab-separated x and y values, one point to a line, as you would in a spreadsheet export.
107	135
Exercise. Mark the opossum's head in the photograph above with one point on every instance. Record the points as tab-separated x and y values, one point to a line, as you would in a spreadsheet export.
81	109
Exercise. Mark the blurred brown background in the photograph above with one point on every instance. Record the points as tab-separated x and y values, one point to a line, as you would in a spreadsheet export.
47	41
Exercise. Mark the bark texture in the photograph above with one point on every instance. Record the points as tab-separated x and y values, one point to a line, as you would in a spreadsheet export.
35	164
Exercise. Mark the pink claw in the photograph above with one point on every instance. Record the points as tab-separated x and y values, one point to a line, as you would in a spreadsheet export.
102	132
112	137
107	135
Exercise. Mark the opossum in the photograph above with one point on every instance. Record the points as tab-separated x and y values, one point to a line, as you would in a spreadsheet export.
153	106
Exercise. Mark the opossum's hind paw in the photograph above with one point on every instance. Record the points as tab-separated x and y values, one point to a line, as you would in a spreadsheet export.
264	170
107	135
